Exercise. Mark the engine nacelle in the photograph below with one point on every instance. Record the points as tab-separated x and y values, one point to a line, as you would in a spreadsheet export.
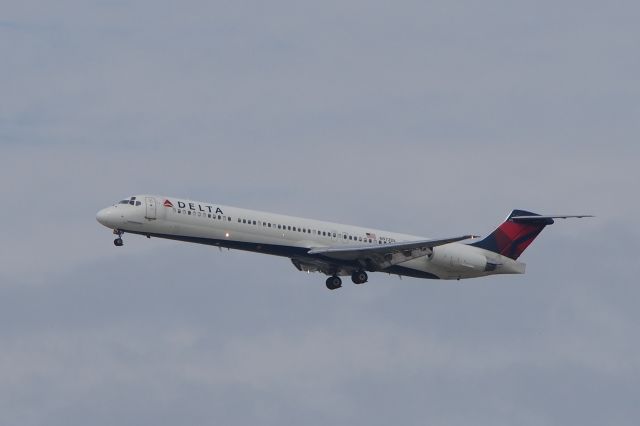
461	258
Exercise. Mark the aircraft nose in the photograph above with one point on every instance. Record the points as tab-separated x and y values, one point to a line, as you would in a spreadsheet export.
103	216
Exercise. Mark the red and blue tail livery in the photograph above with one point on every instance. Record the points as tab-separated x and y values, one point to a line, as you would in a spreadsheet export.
517	232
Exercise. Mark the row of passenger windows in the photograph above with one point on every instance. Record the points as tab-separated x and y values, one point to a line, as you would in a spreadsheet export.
308	231
286	227
209	215
280	226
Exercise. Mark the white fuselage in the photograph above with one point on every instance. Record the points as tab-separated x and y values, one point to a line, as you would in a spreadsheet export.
293	237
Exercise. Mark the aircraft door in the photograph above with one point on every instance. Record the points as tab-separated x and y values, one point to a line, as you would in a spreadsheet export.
150	203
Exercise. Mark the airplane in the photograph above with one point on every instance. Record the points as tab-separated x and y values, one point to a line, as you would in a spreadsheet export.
330	248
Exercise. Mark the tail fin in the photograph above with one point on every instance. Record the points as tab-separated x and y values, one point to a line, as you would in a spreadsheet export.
515	234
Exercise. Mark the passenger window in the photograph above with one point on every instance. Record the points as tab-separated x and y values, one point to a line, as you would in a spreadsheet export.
210	216
269	225
254	222
289	227
279	227
239	220
189	211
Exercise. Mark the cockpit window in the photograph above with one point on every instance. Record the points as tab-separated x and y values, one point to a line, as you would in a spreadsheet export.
131	201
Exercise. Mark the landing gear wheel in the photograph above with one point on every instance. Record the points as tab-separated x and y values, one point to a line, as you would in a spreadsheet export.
359	277
334	283
118	241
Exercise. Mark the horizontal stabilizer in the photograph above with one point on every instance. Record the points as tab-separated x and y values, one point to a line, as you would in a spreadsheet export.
536	218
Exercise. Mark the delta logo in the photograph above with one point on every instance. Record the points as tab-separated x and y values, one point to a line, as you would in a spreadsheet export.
194	207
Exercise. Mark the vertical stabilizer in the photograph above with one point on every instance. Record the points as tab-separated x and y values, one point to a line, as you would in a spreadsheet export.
515	234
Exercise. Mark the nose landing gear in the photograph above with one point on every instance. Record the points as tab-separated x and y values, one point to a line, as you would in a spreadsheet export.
118	241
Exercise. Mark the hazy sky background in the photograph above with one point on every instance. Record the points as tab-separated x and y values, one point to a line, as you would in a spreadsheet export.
430	118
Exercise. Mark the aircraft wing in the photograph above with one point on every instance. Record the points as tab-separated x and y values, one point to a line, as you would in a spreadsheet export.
381	256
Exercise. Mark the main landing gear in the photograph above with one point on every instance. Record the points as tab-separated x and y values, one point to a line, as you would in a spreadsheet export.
334	282
359	277
118	241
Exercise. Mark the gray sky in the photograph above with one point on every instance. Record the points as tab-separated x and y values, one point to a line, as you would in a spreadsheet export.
430	118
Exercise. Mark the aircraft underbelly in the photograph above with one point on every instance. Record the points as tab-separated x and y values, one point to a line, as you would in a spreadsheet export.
447	271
